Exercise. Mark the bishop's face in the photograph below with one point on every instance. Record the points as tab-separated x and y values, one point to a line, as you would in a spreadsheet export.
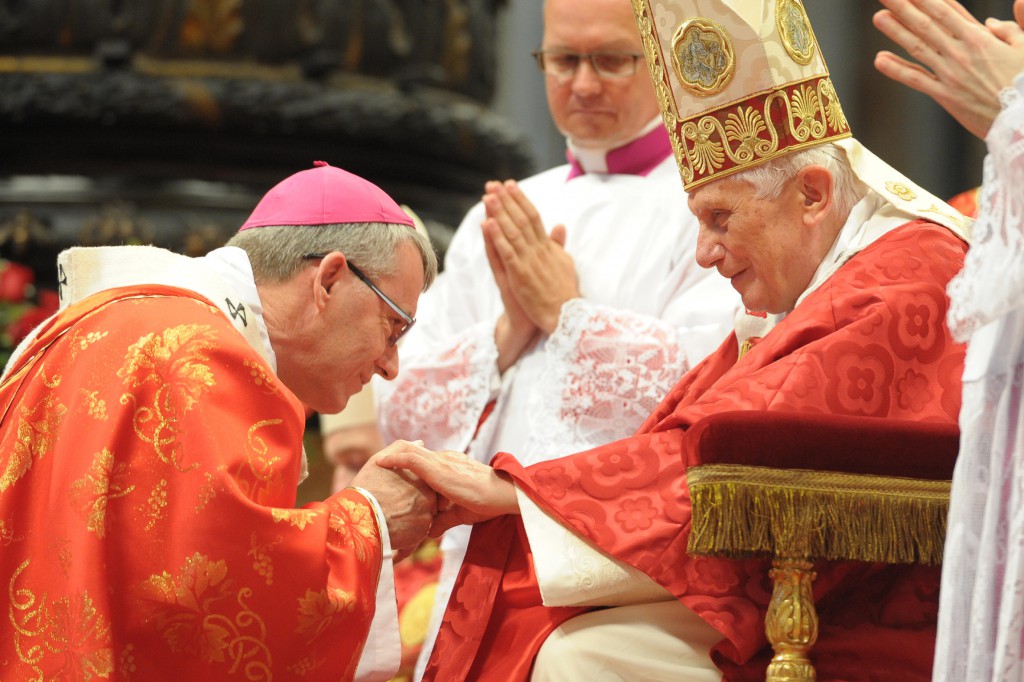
350	336
763	246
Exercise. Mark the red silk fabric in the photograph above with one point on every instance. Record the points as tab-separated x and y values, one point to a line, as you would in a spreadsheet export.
148	465
871	341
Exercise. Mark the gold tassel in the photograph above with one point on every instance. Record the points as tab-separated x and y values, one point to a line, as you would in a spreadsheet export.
741	511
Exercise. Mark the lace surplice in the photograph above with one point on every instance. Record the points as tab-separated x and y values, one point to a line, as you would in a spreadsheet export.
981	611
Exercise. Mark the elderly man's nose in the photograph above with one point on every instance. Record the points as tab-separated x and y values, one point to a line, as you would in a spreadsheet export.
709	250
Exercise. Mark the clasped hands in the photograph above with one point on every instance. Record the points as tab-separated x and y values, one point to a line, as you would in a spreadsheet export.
425	492
534	273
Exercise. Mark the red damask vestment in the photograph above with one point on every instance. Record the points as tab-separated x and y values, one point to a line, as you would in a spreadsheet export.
870	341
148	466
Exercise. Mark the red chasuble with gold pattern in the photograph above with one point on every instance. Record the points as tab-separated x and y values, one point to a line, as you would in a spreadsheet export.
870	341
148	465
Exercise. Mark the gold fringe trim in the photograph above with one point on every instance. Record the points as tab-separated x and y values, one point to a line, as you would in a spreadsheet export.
741	511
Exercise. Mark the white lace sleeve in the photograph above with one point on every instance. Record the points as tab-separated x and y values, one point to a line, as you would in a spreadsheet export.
441	392
992	281
606	371
448	362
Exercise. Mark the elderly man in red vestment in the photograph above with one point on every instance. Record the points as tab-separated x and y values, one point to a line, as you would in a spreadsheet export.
842	264
151	444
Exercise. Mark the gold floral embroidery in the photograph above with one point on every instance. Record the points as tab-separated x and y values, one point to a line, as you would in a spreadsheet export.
127	666
61	547
901	190
319	610
708	155
806	108
260	553
260	476
156	504
190	613
206	492
745	125
176	365
833	111
36	436
299	518
81	340
94	405
353	525
260	377
304	667
7	536
91	495
68	633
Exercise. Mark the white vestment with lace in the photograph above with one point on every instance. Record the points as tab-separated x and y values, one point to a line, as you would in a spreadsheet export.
981	608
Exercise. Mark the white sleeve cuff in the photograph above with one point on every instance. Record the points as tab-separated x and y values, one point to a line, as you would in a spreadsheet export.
383	651
572	572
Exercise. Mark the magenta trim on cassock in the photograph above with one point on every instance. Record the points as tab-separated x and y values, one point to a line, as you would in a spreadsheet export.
638	157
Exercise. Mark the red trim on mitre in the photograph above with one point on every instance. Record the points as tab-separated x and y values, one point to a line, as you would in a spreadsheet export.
801	114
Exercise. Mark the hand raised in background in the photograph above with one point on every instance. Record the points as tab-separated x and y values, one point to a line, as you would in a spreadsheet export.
963	63
538	271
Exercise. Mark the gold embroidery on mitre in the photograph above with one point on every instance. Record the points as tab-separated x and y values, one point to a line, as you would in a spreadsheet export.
901	190
734	137
795	30
703	56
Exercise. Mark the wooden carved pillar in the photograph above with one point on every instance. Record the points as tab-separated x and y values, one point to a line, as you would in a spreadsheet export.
791	623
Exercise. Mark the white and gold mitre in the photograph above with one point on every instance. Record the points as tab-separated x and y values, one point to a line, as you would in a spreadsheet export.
739	82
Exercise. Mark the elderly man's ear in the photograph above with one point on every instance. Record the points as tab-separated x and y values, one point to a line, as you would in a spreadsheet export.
815	185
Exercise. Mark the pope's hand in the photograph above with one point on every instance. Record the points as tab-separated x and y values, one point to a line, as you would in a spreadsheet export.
469	492
408	503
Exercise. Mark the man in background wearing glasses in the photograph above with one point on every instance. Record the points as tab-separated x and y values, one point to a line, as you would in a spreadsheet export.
571	301
151	445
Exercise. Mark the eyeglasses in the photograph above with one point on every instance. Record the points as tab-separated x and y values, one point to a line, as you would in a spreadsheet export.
563	63
406	317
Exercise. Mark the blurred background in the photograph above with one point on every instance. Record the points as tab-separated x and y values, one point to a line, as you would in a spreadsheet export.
164	121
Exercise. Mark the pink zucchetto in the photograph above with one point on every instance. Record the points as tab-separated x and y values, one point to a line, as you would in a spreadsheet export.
325	195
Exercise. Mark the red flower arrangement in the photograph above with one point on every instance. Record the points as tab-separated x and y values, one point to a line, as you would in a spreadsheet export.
22	305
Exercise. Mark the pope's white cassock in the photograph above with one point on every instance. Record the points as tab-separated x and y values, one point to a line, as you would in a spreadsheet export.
648	313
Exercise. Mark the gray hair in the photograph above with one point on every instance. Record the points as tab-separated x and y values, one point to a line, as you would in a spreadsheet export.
276	252
769	178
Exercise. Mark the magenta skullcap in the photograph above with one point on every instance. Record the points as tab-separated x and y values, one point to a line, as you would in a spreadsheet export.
325	195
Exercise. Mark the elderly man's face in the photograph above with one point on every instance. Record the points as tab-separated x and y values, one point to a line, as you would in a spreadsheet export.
764	246
594	111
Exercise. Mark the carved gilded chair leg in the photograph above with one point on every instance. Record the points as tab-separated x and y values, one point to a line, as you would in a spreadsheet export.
792	622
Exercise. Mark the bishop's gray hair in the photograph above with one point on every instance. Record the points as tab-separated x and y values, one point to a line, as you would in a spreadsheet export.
276	252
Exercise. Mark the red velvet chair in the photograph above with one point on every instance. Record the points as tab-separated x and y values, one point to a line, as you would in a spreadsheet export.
804	487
